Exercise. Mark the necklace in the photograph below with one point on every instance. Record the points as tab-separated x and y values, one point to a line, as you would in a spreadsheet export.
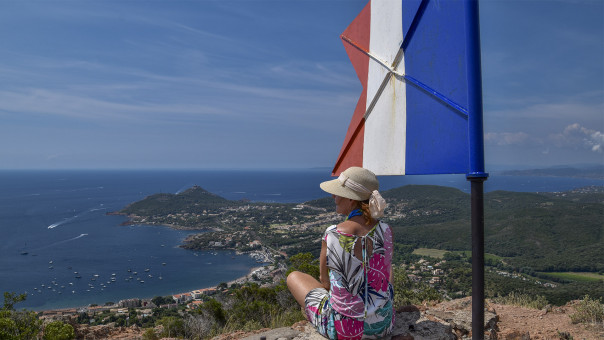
355	212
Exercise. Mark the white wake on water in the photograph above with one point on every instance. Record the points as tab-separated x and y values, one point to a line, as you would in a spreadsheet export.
61	242
69	219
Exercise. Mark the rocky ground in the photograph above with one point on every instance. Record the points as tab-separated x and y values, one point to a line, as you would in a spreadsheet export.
447	320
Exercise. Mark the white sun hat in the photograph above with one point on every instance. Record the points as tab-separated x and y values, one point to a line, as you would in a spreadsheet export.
358	184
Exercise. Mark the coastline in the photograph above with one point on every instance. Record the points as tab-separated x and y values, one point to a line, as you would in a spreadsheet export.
75	309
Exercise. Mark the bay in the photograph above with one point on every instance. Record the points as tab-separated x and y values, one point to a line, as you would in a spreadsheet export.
59	219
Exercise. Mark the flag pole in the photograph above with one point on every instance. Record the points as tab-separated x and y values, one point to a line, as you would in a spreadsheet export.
477	175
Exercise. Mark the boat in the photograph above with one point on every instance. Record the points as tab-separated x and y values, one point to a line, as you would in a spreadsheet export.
78	277
24	252
147	269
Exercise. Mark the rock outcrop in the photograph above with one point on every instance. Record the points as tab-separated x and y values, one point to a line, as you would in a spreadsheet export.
453	320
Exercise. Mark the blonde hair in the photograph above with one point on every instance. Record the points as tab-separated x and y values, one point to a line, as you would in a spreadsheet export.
366	213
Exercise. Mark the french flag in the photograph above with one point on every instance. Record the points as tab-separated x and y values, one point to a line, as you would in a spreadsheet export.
411	117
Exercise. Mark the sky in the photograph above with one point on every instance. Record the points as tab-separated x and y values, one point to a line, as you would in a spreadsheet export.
268	84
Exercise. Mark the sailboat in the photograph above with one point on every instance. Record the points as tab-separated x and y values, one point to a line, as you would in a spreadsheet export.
24	251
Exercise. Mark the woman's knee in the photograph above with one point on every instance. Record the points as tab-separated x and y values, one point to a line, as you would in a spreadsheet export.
293	278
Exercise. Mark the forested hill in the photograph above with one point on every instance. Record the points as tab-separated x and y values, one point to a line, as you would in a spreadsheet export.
547	232
191	200
543	231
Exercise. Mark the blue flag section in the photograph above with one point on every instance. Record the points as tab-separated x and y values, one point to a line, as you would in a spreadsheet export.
437	100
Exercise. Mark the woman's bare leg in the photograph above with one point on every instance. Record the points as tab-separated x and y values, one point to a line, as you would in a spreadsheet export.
300	284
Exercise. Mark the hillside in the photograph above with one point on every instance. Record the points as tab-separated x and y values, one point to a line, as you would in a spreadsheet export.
542	231
546	232
192	200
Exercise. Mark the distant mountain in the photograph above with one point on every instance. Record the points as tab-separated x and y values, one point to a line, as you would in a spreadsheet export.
593	171
194	199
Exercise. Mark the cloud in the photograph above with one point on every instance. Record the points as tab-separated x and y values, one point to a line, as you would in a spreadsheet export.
576	135
48	102
510	138
573	136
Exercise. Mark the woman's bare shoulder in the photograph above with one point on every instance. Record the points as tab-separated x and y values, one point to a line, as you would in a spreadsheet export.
353	228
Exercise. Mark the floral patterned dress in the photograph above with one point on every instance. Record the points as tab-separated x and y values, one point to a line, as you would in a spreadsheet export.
359	303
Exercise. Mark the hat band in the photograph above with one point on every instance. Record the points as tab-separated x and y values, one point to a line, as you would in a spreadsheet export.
347	182
377	204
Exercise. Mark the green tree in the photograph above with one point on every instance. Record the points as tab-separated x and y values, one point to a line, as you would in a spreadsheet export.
17	325
58	330
11	299
162	300
306	263
214	308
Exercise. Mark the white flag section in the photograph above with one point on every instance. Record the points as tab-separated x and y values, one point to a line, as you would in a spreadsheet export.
411	117
386	121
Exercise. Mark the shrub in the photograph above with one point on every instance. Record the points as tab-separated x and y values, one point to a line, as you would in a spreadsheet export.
522	300
173	326
17	324
589	311
149	334
58	330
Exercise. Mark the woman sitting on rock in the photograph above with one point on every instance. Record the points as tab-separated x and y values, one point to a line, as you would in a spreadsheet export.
354	298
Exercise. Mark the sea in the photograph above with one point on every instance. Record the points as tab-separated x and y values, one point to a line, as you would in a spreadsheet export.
59	245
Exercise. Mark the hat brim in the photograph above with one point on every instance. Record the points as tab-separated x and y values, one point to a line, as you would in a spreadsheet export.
335	187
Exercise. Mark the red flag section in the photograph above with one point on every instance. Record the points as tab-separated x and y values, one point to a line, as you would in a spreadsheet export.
356	43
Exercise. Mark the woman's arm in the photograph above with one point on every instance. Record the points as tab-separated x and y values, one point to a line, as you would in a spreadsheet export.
323	271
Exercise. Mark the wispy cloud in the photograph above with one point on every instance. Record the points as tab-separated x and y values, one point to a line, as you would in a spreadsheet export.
43	102
573	136
576	135
510	138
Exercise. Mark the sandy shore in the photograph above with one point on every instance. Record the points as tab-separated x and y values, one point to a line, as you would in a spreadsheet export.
243	278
